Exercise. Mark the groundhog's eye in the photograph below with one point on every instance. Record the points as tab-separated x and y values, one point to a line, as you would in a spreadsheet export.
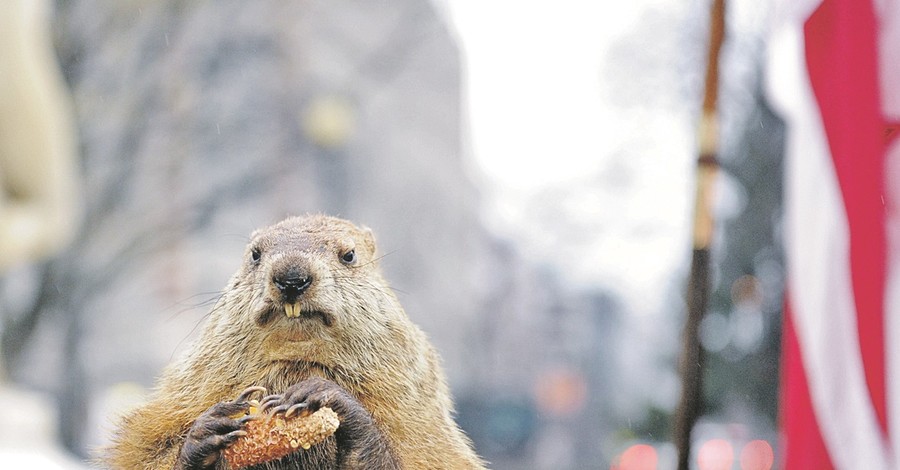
349	257
255	254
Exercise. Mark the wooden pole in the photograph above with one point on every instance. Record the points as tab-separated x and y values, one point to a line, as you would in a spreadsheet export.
691	360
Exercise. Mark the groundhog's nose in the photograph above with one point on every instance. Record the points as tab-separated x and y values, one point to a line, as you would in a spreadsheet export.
292	285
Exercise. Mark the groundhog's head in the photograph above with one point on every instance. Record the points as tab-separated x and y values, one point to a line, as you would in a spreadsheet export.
312	283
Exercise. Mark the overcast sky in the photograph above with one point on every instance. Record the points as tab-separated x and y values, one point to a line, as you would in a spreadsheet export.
542	130
545	126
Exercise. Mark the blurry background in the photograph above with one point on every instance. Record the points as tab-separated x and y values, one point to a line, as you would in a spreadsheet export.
527	168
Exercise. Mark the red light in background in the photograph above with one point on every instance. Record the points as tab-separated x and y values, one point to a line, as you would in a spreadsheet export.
757	455
715	454
561	392
637	457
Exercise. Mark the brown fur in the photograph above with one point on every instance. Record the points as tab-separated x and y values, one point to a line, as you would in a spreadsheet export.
369	347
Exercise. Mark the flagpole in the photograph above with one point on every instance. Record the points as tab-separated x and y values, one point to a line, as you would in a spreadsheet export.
691	360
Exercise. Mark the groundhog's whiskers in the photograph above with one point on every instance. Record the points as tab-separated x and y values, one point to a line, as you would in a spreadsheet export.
211	299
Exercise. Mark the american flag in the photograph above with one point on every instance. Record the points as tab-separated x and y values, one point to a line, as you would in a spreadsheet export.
833	74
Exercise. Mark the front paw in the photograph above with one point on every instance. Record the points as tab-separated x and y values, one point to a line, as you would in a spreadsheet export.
214	430
360	443
314	393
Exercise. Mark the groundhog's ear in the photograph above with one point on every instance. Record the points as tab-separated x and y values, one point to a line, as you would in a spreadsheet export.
369	239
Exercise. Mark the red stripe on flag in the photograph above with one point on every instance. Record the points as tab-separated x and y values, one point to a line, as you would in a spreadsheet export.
803	445
842	58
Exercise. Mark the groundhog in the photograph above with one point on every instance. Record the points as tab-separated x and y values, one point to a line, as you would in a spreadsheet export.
309	318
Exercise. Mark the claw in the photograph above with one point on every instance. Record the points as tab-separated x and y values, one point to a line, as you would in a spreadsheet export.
294	409
248	392
280	409
234	435
269	402
247	418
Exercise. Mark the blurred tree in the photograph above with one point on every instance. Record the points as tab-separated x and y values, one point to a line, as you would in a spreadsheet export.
660	63
749	289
